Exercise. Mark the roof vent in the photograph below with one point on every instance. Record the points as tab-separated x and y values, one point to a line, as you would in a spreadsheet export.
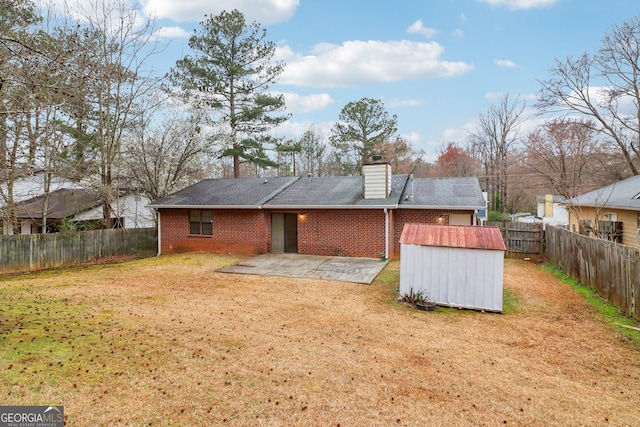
376	158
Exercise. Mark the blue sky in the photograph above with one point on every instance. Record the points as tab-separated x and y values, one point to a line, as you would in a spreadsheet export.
436	64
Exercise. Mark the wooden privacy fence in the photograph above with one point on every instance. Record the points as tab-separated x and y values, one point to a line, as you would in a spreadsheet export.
611	269
31	252
521	238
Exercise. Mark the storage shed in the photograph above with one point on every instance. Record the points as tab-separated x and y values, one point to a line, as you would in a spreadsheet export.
453	265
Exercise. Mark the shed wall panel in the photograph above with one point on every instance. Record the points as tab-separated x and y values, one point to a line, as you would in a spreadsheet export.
469	278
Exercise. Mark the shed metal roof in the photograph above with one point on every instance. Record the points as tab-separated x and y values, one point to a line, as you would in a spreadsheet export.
453	236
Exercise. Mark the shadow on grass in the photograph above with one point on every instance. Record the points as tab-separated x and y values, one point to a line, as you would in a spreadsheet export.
609	313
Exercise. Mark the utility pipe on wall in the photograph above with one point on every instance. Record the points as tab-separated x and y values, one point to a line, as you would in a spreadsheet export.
386	233
159	235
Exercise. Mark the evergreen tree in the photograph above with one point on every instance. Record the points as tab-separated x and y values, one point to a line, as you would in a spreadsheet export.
230	72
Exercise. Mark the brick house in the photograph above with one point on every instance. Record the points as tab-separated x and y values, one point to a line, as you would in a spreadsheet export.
360	216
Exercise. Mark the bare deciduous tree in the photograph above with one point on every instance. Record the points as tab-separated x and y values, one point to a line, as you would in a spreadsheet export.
313	153
166	157
400	154
562	153
604	87
494	144
109	69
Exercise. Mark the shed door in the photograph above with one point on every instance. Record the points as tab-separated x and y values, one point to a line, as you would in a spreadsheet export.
284	232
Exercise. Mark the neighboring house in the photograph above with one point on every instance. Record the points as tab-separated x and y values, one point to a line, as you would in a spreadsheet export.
611	212
29	183
360	216
82	209
551	208
524	217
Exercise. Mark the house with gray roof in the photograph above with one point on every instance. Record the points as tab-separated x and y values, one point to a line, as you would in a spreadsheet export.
359	216
611	212
81	208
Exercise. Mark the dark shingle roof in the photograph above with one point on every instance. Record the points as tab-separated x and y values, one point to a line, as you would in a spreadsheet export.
19	173
325	192
623	194
63	203
226	193
334	192
463	193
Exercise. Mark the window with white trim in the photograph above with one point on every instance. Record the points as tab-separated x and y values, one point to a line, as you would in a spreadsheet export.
201	222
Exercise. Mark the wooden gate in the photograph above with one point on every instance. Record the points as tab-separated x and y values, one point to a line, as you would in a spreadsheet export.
522	238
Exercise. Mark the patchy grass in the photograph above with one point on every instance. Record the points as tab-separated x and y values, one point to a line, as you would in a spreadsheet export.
169	341
512	301
610	314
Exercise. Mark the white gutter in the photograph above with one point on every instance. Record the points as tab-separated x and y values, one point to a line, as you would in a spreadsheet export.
441	207
386	233
159	235
352	207
208	207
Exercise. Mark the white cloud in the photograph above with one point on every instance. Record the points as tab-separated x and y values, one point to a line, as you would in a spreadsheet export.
600	95
303	104
521	4
395	103
493	96
460	135
505	63
263	11
171	33
419	28
356	63
458	33
294	130
107	13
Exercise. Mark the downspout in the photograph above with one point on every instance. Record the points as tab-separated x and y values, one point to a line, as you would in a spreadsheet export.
159	235
386	234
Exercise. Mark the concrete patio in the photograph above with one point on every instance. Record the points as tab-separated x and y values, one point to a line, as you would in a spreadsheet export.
343	269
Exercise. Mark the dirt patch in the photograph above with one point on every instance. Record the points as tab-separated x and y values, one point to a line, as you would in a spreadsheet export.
173	342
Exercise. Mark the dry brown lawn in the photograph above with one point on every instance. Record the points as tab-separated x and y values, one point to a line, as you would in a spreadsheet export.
168	341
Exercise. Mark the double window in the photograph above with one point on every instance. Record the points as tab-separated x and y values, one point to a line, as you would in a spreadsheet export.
200	222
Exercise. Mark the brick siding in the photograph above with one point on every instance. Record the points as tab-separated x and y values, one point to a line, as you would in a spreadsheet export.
337	232
419	216
342	232
235	231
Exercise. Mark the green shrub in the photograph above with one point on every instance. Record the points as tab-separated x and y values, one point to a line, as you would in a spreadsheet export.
496	216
